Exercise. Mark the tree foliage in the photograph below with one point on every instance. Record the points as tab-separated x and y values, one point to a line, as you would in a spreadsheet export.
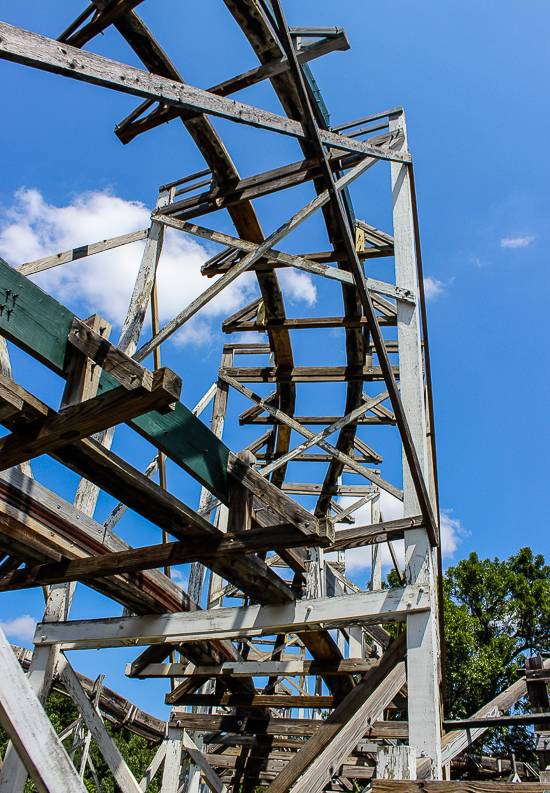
496	614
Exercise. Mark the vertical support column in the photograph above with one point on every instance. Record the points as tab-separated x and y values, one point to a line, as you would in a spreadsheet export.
172	761
422	637
537	691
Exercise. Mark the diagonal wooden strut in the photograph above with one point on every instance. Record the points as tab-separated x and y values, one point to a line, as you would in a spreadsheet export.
383	358
332	450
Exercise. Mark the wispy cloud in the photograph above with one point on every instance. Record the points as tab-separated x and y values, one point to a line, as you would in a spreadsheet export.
31	228
517	242
433	288
178	577
358	559
22	628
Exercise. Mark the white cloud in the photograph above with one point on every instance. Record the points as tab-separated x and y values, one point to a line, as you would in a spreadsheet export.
517	242
358	559
177	576
32	229
433	288
20	627
452	532
298	286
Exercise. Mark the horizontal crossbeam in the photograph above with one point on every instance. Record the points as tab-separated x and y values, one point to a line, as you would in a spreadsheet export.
153	556
30	49
45	435
246	621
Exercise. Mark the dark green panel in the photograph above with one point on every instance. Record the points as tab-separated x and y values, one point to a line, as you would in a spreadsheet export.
189	442
186	440
40	325
32	319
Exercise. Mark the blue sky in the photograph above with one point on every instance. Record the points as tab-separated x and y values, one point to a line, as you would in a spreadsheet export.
472	78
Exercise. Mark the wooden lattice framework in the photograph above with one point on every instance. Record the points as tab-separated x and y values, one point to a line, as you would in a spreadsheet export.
235	735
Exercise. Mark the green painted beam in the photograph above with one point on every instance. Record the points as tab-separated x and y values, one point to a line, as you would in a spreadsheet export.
36	322
32	319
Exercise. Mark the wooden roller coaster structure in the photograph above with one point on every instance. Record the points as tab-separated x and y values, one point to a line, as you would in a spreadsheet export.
249	654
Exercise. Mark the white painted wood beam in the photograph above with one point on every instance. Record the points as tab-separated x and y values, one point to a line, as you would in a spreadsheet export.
31	732
315	614
109	750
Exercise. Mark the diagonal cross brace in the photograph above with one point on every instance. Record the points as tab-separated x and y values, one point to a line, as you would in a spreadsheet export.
315	439
332	450
259	252
318	139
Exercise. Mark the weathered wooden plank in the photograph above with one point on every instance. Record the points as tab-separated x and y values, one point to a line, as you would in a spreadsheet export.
305	374
377	533
39	265
363	695
31	732
44	435
261	668
174	698
454	786
30	49
276	726
305	323
150	557
245	621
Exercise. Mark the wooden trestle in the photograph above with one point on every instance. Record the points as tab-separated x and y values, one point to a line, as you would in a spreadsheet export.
255	658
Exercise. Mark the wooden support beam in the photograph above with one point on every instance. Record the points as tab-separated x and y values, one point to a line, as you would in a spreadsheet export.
368	698
246	621
133	125
318	420
332	450
39	265
150	557
453	743
201	761
109	357
305	323
30	730
359	536
256	725
74	422
347	419
250	700
41	326
285	259
101	21
30	49
260	668
256	252
109	750
458	786
304	374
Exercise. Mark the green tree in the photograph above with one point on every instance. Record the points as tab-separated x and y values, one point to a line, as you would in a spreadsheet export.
496	614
